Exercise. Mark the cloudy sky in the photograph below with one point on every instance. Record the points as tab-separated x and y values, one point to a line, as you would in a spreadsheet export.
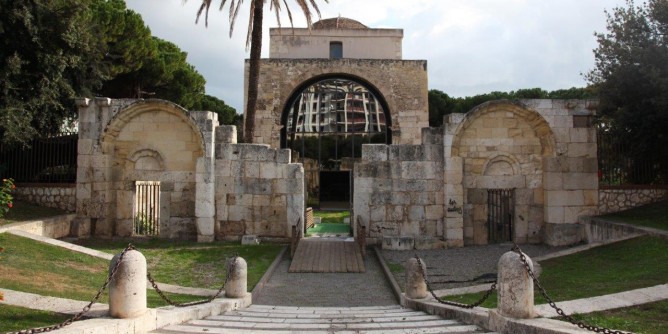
472	46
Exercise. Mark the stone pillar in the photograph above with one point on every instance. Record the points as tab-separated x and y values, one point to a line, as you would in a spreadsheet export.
416	288
515	287
237	282
127	289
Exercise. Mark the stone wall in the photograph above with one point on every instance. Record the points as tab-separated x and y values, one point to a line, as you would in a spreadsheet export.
401	83
258	191
399	189
60	196
615	200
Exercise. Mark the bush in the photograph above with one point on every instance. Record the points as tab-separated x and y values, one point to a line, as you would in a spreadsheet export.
6	196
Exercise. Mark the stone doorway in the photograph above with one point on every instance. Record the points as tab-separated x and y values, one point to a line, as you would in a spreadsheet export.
500	214
146	213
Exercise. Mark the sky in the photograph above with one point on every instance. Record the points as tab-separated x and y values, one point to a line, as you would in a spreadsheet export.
471	46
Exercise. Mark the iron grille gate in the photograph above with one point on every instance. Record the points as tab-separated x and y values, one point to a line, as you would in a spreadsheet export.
500	213
147	208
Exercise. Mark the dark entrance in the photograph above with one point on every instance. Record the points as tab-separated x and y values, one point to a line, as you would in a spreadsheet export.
325	124
500	213
334	190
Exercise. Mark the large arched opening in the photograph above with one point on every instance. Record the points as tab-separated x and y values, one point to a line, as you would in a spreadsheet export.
325	122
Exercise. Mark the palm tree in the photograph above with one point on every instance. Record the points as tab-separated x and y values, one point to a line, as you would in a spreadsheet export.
254	40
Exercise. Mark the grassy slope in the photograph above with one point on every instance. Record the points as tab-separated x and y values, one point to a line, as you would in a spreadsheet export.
14	318
652	215
627	265
23	211
332	217
651	318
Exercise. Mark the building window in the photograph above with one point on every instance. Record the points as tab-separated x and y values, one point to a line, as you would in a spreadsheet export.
335	50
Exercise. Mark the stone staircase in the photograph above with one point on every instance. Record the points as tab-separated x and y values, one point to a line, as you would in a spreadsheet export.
284	319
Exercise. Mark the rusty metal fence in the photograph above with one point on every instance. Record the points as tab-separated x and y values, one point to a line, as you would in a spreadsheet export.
147	208
500	213
46	159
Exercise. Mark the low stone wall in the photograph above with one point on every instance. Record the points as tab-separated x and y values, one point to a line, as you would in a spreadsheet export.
52	227
62	196
619	199
399	189
258	190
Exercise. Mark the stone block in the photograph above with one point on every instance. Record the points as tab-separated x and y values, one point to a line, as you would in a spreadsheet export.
250	239
576	181
584	150
375	152
563	234
416	213
398	242
434	212
226	134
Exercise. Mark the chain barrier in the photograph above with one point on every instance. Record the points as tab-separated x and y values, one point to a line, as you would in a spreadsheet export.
491	289
87	307
552	304
198	302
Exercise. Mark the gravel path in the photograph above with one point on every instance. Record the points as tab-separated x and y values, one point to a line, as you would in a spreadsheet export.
459	267
329	289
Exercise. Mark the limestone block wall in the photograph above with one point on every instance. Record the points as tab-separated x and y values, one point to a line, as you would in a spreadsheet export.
62	196
401	83
123	141
258	190
398	189
615	200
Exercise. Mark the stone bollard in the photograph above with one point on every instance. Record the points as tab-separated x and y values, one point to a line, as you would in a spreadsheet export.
515	287
127	289
416	288
237	278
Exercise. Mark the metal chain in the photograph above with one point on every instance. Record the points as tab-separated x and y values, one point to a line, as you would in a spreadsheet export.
552	304
491	289
87	307
198	302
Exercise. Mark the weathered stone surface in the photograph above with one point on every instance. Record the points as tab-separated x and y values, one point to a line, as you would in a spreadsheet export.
127	288
514	287
237	278
416	287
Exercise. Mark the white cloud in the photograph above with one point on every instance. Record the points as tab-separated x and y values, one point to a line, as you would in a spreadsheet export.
472	47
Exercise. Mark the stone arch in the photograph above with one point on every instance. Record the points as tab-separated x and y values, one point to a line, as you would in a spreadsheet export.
502	145
300	86
154	141
147	159
125	116
501	165
536	122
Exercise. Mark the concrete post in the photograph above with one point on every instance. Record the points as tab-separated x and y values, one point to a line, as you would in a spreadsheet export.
237	282
515	287
416	288
127	289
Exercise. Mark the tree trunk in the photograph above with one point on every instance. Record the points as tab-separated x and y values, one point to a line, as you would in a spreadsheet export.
253	72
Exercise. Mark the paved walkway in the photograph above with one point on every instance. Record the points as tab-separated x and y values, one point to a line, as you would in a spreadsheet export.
327	289
325	255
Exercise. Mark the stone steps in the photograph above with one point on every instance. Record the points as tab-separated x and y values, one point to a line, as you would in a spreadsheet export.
282	319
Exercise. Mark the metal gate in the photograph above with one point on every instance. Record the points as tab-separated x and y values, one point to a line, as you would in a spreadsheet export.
146	213
500	213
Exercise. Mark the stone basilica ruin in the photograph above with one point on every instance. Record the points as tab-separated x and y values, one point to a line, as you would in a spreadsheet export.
342	122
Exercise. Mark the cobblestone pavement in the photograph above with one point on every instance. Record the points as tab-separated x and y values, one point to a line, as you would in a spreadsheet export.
327	289
459	267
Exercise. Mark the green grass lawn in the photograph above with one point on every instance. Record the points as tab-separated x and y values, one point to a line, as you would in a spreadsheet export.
651	318
340	229
332	217
626	265
193	264
653	215
14	318
31	266
23	211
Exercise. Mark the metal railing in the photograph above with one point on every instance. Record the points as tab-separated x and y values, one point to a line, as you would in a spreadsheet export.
46	159
146	219
620	165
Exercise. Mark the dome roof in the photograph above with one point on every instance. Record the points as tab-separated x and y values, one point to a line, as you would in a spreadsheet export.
338	23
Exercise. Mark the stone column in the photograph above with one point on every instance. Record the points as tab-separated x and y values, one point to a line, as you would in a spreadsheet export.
416	288
515	287
127	289
237	282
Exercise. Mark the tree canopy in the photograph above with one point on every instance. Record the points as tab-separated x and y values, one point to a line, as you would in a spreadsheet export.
52	51
631	77
441	104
